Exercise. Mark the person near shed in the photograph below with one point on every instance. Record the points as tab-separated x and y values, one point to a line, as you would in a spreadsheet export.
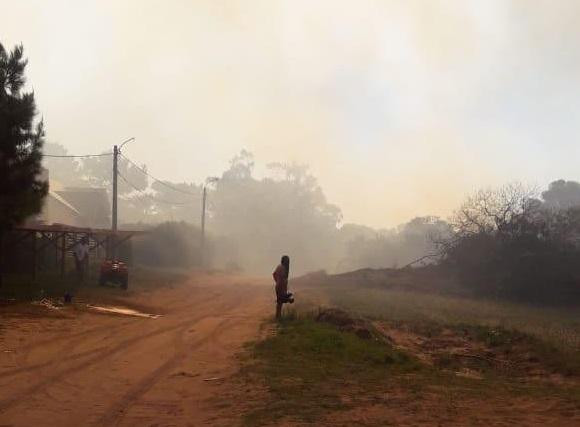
81	254
280	275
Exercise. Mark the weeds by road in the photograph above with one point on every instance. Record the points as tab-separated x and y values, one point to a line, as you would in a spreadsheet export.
559	326
444	360
307	365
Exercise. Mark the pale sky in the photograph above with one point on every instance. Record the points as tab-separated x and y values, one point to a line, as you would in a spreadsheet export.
400	108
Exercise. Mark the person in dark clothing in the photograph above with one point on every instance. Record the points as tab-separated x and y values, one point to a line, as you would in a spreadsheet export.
280	275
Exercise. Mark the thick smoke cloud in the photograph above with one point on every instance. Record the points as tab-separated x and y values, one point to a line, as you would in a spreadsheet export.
400	108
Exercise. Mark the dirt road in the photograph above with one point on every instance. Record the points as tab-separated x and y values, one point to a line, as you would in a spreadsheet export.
79	367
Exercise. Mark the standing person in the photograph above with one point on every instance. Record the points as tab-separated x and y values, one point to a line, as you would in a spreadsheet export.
81	254
281	278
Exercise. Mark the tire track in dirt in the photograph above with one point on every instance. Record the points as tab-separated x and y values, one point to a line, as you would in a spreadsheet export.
41	343
106	328
18	398
60	357
32	368
115	414
64	354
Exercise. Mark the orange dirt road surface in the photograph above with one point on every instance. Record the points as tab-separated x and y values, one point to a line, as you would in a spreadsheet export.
76	367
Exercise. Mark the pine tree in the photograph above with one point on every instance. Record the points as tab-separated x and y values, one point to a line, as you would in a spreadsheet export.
22	189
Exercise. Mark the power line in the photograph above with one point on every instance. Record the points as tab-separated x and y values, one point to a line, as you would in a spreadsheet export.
155	199
76	157
158	180
87	155
142	192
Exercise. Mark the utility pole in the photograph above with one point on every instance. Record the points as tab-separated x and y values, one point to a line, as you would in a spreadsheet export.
116	152
115	176
209	180
202	245
113	242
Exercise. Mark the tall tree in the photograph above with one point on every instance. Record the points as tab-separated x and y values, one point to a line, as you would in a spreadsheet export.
22	188
284	212
562	194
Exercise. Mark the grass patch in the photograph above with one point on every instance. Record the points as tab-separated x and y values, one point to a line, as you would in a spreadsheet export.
308	368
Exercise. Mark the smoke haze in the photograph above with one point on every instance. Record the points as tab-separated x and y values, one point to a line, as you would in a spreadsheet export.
399	108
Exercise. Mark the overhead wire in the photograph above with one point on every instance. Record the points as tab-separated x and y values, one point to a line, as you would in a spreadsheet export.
155	199
87	155
158	180
76	156
128	182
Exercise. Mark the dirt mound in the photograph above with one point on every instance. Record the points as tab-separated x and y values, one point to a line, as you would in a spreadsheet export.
475	351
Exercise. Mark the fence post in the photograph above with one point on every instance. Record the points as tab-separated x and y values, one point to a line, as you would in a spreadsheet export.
63	255
34	256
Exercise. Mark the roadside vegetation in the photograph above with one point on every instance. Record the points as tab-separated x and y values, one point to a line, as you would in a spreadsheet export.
306	366
447	358
560	326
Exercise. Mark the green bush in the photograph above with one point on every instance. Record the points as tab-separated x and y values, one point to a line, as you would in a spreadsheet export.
170	244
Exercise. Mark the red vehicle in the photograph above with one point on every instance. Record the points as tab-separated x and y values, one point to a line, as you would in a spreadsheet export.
114	271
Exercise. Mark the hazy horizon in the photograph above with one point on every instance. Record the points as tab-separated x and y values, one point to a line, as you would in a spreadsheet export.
399	108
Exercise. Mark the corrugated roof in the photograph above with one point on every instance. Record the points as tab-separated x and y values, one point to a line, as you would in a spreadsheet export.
73	229
92	204
63	201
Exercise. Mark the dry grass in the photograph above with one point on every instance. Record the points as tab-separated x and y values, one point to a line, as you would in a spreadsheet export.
558	326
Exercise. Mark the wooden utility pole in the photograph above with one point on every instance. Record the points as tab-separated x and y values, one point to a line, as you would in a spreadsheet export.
113	249
115	176
209	180
202	245
116	152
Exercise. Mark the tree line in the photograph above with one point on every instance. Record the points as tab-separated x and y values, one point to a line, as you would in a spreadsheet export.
513	241
507	241
517	243
251	220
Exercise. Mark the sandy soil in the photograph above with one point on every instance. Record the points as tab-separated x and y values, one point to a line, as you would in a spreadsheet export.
74	367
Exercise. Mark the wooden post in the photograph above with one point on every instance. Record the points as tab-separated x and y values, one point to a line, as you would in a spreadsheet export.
62	255
202	244
34	256
115	211
55	240
88	261
129	246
